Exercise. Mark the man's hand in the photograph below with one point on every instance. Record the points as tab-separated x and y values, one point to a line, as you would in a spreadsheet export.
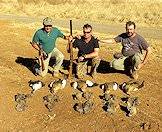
70	38
43	54
140	65
78	36
81	58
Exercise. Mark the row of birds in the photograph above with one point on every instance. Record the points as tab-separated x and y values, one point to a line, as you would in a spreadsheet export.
82	96
126	87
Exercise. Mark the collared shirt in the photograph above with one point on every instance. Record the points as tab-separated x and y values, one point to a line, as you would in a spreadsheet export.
47	40
85	48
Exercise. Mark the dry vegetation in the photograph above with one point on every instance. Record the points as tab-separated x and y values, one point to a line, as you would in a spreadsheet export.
144	12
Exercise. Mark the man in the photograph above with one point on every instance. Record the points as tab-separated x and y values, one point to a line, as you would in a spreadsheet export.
131	58
44	41
88	51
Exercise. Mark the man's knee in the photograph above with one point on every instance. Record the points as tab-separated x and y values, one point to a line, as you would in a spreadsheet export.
116	65
96	61
60	57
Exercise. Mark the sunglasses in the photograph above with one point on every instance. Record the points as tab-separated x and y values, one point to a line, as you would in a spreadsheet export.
86	32
48	25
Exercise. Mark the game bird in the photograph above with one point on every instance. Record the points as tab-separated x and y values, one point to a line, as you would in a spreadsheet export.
57	85
128	87
82	85
109	86
50	101
35	85
132	106
21	101
110	103
84	107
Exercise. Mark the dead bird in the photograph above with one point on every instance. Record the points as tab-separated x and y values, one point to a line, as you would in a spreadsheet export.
79	107
82	85
132	106
110	103
50	101
57	85
87	106
107	97
19	97
21	101
77	96
131	85
88	95
82	96
35	85
84	107
107	87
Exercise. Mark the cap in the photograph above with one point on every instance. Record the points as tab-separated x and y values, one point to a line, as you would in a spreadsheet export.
47	21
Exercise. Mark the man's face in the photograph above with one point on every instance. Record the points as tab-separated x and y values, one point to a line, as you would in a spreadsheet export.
87	32
130	30
48	28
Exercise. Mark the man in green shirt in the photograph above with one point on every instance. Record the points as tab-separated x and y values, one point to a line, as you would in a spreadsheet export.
44	41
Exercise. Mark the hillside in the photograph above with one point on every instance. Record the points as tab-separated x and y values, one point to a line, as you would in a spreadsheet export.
144	12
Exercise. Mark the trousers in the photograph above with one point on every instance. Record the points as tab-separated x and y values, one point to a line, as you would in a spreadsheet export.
127	62
55	68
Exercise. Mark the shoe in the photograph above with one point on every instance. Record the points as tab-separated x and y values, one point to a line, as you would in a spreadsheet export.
63	71
134	74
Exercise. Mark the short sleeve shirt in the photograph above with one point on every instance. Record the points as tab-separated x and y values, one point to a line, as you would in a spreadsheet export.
130	46
47	40
85	48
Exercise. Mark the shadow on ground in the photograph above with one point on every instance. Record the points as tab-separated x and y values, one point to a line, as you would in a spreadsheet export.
27	62
104	66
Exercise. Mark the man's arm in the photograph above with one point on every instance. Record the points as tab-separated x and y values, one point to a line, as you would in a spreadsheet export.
108	41
93	54
90	55
148	51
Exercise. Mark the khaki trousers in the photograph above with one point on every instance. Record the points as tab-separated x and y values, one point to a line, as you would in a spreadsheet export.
59	60
82	67
124	63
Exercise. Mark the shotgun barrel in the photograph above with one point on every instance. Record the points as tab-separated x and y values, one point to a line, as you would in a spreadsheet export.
71	52
41	56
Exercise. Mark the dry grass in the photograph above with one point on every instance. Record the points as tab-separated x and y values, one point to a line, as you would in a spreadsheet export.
105	11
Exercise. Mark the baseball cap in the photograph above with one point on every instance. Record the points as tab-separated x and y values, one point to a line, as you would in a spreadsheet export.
47	21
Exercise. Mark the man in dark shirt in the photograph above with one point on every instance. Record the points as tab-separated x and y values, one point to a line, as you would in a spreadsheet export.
131	56
88	49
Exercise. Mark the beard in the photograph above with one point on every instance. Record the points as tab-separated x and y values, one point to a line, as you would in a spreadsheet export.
130	34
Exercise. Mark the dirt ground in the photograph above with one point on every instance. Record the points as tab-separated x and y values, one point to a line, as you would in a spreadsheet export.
14	77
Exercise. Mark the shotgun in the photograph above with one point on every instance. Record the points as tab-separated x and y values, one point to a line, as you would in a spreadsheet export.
71	52
42	56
